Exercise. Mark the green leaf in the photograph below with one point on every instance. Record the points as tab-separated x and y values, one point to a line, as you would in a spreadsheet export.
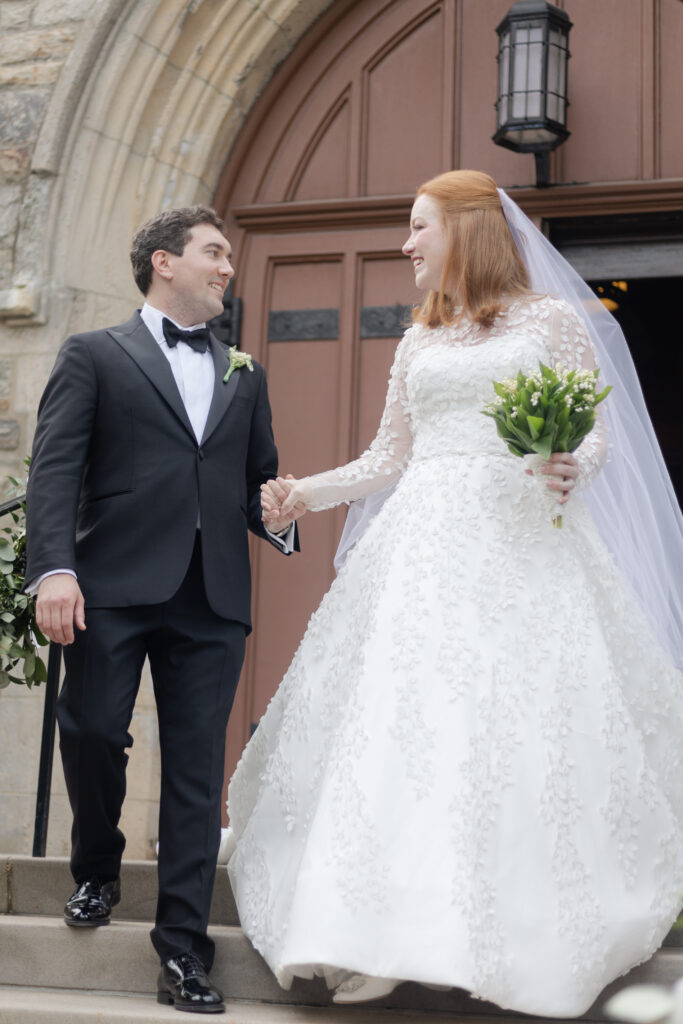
543	447
39	638
40	673
536	425
525	401
563	416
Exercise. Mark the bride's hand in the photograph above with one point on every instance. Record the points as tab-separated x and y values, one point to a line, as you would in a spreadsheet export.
298	493
281	502
562	470
287	494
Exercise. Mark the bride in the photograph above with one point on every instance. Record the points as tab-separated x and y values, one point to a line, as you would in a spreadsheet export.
471	774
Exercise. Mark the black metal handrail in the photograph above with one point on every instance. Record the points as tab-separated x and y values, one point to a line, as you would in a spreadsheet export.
47	741
13	505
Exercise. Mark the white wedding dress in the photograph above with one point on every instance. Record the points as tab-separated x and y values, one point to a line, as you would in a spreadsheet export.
471	774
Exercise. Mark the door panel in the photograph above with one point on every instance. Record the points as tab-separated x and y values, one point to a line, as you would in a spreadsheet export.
386	284
317	309
409	78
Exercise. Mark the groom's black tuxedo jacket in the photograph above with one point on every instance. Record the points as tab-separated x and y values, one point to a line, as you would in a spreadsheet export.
118	481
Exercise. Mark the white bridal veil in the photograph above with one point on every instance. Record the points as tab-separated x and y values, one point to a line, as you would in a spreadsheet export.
632	499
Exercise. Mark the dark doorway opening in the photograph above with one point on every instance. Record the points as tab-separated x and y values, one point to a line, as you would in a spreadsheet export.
647	310
634	261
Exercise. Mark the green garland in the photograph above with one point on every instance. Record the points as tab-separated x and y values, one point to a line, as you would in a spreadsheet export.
19	634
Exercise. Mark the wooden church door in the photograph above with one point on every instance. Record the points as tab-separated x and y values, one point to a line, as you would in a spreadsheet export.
316	197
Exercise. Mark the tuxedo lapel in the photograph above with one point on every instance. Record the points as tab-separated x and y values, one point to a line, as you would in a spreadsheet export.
138	343
223	393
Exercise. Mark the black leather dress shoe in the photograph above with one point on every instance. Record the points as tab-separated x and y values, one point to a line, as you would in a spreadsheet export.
184	983
91	903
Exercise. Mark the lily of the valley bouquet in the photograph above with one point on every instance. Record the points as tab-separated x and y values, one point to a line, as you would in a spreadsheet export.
548	411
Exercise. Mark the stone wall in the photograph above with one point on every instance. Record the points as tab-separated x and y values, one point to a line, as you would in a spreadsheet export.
36	37
109	112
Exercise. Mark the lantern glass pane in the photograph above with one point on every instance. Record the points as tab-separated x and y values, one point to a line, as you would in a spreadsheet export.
557	57
535	74
555	53
520	72
527	85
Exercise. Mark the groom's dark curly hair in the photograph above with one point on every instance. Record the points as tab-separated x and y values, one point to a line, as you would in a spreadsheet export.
170	231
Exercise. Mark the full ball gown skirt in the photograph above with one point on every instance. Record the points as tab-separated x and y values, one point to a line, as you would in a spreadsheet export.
471	774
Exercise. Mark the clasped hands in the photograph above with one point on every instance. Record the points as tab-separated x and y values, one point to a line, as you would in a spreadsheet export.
282	501
562	471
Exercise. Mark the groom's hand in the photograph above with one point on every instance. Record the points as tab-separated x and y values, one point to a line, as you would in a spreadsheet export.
273	495
60	606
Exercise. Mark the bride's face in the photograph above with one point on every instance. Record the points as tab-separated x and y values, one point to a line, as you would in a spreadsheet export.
427	245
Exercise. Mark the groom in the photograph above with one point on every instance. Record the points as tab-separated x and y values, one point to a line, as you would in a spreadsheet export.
149	453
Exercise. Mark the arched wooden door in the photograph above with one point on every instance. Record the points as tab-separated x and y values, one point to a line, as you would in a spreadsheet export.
316	199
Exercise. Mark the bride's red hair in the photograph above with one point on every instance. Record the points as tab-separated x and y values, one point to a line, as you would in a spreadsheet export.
483	269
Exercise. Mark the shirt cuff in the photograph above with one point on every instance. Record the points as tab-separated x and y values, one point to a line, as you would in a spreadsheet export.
32	587
285	540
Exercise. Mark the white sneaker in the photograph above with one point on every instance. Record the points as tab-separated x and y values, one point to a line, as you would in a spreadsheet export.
360	988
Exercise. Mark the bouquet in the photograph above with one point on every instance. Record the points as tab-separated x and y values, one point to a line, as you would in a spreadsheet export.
548	411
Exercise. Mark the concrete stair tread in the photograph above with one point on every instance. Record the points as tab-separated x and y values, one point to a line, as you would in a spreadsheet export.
42	885
42	951
119	957
69	1006
38	950
24	1005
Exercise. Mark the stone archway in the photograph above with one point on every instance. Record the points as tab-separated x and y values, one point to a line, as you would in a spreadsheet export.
147	106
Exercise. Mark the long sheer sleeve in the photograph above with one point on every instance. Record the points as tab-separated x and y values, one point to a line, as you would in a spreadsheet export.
385	459
571	347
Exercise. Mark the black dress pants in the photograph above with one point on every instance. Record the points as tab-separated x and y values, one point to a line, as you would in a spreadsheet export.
195	659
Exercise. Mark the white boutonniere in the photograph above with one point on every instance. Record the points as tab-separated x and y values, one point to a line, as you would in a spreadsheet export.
237	361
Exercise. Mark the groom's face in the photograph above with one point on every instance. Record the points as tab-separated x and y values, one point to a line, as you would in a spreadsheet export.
201	274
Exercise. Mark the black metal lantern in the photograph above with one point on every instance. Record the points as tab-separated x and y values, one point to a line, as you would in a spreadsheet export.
532	81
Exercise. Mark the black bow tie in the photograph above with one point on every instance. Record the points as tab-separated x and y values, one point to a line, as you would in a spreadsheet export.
198	340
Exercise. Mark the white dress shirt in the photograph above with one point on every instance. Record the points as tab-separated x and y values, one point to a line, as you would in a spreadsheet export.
193	371
194	375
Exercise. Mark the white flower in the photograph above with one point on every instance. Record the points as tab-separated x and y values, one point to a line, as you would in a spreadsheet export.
237	361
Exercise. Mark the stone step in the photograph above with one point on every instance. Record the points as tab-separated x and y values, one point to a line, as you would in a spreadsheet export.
41	952
42	885
59	1006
